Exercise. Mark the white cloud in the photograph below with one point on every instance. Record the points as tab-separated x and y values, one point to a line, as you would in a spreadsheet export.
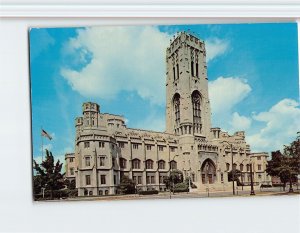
215	47
240	123
282	122
224	93
118	59
123	58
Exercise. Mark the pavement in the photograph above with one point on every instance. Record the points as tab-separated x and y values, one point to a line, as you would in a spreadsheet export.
166	195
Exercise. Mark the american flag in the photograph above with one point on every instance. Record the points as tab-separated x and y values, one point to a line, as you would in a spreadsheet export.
45	134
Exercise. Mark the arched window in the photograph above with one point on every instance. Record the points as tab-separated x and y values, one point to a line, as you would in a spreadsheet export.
136	164
122	163
196	101
173	165
234	166
161	164
227	166
149	164
241	167
176	107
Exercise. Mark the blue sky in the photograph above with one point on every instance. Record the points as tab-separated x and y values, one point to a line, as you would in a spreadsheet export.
252	71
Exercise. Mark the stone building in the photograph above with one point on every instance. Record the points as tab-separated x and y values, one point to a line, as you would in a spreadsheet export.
106	150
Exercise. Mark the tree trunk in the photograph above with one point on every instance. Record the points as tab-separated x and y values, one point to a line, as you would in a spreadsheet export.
291	186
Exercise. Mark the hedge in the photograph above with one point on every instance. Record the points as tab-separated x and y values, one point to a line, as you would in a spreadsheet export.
148	192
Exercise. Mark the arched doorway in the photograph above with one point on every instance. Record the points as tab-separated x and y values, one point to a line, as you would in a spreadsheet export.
208	172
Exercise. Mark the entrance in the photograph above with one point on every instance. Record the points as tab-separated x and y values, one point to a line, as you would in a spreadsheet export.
208	172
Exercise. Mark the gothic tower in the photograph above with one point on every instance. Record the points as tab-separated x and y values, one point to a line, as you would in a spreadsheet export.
188	107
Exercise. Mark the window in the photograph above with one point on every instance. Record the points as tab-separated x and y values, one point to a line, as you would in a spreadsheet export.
193	177
136	164
259	176
161	179
135	146
72	171
87	179
174	73
161	164
103	179
172	149
227	166
121	144
150	179
87	161
90	193
234	166
106	192
197	73
100	192
148	147
241	167
102	161
248	167
196	101
122	162
149	164
139	180
177	66
258	157
160	148
71	160
192	68
101	144
173	165
259	167
113	161
115	179
86	144
222	177
176	106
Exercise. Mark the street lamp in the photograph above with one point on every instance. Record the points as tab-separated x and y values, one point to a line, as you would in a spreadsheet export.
233	168
251	177
171	168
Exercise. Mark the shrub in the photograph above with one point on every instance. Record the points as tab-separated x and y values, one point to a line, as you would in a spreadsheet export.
181	187
148	192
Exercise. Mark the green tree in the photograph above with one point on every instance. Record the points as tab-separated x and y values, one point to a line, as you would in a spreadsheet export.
237	175
127	186
48	175
283	166
175	177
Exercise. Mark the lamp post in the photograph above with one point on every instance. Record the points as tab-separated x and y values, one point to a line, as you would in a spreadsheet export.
251	179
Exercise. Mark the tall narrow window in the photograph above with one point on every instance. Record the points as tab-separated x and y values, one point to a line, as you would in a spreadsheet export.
176	104
192	68
174	73
177	66
196	101
136	164
87	161
87	179
103	179
197	70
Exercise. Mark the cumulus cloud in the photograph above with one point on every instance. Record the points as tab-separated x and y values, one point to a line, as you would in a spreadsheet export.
123	58
106	60
225	93
239	122
215	47
281	123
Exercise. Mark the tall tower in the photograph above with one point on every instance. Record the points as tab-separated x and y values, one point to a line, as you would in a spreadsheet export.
188	107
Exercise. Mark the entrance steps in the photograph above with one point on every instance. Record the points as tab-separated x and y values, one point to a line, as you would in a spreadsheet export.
216	187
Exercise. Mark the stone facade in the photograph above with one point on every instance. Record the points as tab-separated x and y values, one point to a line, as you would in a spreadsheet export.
106	150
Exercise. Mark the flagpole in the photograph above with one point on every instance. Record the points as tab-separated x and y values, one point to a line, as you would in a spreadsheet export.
42	144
